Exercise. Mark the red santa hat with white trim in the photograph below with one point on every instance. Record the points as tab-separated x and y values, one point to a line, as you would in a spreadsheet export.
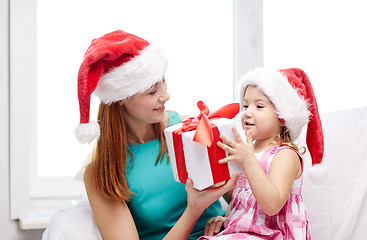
115	67
291	92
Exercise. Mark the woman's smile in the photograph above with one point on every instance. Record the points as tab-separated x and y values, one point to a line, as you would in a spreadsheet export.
160	109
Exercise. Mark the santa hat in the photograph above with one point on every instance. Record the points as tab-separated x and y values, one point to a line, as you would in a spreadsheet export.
115	67
291	92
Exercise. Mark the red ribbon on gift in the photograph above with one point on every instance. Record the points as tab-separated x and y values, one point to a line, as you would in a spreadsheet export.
207	134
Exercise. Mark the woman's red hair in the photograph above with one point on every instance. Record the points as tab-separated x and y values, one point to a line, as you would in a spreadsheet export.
107	171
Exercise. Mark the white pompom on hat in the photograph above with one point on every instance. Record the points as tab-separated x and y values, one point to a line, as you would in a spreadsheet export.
115	67
291	92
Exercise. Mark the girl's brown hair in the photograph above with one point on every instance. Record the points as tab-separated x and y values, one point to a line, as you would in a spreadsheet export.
107	170
284	139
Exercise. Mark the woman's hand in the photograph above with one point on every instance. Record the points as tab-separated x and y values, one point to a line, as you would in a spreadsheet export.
214	225
198	201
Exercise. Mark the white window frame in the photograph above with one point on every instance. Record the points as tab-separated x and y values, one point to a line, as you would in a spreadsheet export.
46	197
248	39
21	96
23	102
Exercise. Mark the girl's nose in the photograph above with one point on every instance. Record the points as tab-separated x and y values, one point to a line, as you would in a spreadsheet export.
247	113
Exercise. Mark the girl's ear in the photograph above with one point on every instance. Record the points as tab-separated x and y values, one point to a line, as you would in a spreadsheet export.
121	102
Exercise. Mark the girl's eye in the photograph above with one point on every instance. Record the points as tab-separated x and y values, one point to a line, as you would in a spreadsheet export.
153	92
245	106
260	106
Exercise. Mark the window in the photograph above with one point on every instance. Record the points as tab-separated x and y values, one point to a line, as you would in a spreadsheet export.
48	41
190	73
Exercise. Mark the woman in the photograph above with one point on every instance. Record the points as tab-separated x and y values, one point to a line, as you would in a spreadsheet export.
129	181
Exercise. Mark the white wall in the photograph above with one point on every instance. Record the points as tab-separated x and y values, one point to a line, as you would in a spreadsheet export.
9	230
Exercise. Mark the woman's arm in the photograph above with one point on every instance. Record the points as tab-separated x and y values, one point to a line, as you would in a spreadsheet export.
198	201
113	218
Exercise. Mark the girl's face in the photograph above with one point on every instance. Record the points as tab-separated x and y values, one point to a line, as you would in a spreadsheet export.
147	107
259	116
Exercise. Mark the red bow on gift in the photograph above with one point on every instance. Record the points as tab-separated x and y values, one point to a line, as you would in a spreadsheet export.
204	132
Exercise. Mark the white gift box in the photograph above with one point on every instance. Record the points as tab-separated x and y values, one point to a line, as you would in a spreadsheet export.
200	162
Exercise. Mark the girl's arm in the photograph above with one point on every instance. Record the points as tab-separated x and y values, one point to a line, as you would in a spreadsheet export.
271	192
113	218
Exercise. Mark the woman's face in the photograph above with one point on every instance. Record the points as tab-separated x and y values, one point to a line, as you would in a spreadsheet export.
147	107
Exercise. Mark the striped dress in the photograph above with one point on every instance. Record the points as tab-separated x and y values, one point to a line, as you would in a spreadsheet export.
247	221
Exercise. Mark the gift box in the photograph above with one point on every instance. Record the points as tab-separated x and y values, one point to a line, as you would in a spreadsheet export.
193	150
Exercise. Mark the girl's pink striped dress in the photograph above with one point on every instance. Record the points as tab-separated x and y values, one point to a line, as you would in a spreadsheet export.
247	221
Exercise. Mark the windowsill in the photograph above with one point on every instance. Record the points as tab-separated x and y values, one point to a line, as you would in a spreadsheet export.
41	211
33	223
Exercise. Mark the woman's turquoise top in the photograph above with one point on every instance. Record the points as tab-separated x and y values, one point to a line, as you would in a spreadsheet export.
159	200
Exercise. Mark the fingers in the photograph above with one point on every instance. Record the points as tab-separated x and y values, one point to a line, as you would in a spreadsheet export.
225	160
232	182
214	225
208	228
237	136
228	149
189	185
226	140
228	144
229	185
224	147
218	225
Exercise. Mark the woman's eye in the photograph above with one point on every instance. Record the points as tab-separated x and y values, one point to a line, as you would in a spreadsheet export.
152	92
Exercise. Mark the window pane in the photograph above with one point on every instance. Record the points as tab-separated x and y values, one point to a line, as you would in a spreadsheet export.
196	36
326	40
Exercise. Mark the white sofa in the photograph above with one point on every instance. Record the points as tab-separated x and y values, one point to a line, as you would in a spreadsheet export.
337	210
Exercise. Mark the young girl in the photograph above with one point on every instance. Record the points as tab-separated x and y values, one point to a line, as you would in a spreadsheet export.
129	181
267	201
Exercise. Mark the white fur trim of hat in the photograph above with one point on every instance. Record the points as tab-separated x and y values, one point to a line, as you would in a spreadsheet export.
289	105
116	66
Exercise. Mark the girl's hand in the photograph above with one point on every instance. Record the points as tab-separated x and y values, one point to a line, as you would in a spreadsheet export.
198	201
214	225
239	151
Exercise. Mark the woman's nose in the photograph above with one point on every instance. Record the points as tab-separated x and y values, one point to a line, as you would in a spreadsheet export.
164	97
